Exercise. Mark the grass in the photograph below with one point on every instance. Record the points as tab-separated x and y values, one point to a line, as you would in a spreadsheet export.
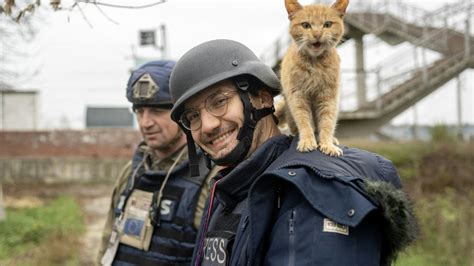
45	235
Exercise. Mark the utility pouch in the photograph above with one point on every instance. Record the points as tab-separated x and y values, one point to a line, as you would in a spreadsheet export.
135	229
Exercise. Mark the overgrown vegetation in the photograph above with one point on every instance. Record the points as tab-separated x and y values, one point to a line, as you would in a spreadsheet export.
45	235
441	133
439	177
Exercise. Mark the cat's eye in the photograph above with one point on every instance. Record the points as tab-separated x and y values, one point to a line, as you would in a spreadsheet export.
327	24
306	25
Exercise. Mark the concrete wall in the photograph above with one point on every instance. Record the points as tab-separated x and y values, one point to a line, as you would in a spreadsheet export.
93	143
18	110
58	170
63	156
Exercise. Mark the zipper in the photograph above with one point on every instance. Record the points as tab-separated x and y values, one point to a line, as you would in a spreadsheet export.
291	231
278	194
244	224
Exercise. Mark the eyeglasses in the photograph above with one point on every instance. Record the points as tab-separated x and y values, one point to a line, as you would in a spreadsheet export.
216	104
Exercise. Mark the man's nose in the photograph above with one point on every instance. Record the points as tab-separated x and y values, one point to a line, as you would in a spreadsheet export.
209	121
145	120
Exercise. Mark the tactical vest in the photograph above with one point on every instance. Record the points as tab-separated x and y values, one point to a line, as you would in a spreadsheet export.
219	240
173	240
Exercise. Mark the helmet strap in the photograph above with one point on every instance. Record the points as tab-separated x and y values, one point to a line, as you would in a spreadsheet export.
193	158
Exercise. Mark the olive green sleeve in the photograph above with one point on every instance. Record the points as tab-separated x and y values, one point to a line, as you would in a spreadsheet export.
119	187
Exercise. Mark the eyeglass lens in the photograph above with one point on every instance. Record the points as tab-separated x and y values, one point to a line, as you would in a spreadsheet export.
216	104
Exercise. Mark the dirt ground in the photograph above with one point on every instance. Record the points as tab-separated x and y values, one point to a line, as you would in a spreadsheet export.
94	200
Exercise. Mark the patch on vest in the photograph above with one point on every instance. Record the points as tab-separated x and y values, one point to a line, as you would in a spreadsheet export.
332	227
133	227
167	209
217	248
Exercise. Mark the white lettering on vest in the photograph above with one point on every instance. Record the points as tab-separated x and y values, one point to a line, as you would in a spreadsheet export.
221	251
214	251
165	206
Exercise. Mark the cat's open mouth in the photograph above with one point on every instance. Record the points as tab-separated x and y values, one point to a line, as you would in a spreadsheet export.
317	45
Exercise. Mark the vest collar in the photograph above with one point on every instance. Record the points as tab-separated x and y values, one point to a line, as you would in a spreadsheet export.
235	183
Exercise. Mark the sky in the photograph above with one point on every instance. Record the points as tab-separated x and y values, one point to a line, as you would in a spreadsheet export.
84	58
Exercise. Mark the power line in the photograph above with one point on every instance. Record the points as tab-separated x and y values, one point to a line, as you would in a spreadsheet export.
120	6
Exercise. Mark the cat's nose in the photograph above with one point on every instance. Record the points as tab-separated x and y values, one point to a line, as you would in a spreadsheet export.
317	35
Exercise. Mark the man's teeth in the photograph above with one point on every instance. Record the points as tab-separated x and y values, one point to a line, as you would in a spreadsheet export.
221	138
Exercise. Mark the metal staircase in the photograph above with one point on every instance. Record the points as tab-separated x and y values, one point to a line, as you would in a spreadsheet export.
401	81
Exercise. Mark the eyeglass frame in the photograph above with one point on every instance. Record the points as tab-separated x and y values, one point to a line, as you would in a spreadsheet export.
228	94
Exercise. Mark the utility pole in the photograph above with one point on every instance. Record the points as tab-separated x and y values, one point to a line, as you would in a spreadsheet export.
415	123
459	106
163	47
360	70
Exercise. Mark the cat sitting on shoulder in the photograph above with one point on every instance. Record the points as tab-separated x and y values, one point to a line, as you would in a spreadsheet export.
310	75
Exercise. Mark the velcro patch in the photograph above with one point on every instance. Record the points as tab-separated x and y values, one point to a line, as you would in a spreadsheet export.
332	227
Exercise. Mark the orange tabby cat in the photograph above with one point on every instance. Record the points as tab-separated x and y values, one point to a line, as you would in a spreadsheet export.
310	74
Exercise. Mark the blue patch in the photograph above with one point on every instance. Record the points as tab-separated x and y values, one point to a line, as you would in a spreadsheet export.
133	227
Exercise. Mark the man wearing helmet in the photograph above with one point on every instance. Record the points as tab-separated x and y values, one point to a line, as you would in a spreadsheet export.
154	215
271	204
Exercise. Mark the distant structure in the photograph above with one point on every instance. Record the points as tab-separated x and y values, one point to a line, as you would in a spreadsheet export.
18	110
109	117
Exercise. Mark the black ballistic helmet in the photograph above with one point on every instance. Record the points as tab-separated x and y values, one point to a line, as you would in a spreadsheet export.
149	85
210	63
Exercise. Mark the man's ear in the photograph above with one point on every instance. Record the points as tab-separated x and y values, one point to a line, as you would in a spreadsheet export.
266	98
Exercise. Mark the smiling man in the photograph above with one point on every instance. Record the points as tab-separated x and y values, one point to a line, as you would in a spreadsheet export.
154	212
273	205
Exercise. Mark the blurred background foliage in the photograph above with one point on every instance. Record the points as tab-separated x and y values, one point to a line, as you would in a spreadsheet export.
46	234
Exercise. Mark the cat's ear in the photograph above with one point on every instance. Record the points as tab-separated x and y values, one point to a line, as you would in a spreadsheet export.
341	5
292	6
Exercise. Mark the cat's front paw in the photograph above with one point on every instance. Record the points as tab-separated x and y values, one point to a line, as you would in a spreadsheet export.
307	145
330	149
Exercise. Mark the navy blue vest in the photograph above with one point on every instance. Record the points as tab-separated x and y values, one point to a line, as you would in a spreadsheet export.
173	240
